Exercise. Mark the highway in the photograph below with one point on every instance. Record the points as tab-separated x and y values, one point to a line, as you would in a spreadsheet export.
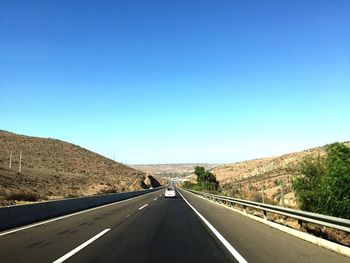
150	228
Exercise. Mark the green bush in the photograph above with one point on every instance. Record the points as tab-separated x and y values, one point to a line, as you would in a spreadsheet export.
206	181
187	185
336	183
323	184
307	186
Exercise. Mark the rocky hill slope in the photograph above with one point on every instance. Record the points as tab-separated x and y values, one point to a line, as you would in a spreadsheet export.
54	169
272	175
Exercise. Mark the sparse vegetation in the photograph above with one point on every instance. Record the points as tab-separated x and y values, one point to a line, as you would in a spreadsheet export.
58	169
188	185
241	179
171	170
110	190
23	196
323	184
205	180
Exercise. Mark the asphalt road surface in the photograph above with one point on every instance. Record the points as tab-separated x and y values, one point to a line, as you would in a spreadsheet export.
150	228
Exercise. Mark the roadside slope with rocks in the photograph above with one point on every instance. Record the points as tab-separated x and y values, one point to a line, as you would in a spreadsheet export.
54	169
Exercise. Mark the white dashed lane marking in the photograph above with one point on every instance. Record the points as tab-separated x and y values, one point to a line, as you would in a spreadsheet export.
142	207
77	249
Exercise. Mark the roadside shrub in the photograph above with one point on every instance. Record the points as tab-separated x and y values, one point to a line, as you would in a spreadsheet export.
256	197
307	185
206	180
323	183
336	183
23	196
72	196
187	185
110	190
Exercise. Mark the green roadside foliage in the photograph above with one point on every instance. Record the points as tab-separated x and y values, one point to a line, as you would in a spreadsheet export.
323	183
205	181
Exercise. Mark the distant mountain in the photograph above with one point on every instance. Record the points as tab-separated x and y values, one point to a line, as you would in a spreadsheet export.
54	169
171	170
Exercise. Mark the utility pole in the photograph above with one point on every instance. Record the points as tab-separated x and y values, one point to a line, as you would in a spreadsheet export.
20	161
10	164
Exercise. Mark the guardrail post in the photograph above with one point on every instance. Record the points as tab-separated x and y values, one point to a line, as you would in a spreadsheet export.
265	214
300	222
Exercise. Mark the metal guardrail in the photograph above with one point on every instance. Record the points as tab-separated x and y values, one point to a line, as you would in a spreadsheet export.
319	219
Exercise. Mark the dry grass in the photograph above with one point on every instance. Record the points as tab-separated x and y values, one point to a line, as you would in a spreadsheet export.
57	169
269	173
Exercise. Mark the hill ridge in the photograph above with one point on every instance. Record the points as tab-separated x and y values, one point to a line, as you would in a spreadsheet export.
54	168
246	179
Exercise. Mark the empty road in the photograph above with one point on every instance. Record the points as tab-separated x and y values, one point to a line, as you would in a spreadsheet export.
150	228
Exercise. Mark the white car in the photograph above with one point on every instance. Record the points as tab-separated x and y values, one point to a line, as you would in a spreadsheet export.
170	192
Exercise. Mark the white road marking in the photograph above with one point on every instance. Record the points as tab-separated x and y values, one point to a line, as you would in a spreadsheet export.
229	247
69	215
77	249
142	207
155	198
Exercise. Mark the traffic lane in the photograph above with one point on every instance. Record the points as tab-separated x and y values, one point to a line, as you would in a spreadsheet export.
257	242
49	241
169	231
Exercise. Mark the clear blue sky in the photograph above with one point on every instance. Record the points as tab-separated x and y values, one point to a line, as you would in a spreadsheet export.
177	81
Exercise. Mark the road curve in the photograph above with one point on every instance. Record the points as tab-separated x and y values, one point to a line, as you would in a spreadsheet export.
150	228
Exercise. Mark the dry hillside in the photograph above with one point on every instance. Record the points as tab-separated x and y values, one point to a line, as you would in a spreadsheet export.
55	169
247	179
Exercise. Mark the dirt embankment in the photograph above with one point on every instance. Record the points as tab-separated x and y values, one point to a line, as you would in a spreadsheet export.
52	169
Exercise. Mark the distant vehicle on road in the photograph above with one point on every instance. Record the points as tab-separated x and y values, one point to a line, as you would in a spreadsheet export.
170	192
151	187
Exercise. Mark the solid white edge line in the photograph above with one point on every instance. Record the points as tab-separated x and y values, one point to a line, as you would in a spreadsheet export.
69	215
229	247
337	248
142	207
77	249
